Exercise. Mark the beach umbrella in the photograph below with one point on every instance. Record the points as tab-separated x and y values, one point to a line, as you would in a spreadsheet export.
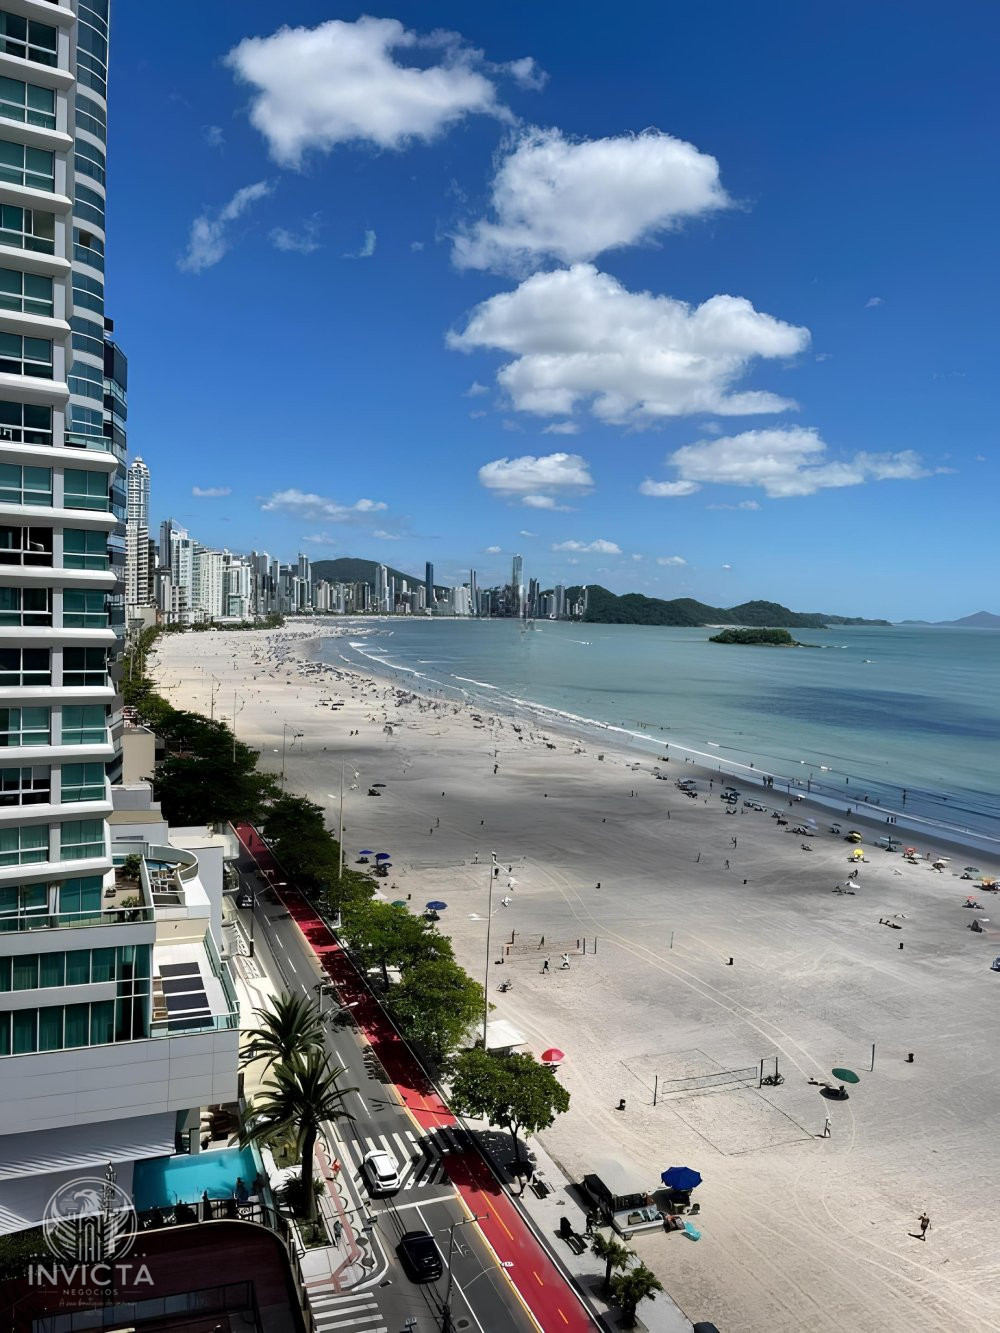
365	852
378	784
681	1178
436	905
972	870
382	856
398	902
845	1075
553	1056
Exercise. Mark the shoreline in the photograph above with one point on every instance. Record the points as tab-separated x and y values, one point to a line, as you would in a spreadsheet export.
836	806
712	942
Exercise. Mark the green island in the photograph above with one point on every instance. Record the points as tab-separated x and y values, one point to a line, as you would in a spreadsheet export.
768	638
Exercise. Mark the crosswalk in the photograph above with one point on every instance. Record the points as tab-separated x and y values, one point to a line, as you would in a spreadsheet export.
347	1314
418	1157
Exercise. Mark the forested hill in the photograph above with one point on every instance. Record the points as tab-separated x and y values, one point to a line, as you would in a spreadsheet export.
633	608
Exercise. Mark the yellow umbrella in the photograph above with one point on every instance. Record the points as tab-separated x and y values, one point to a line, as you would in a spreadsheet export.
858	854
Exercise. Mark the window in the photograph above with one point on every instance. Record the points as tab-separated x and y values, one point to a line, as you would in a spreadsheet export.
52	969
80	900
27	423
88	293
91	116
84	550
25	786
85	490
26	356
86	381
82	838
82	609
27	229
26	606
84	724
25	546
84	667
82	782
27	38
24	846
89	249
88	205
29	292
26	103
24	666
22	165
90	161
23	906
24	972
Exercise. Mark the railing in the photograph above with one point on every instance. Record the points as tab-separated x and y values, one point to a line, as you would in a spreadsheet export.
35	919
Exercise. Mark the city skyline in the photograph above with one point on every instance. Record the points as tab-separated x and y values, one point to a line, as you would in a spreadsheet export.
765	371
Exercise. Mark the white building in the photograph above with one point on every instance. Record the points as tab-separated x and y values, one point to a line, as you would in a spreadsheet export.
137	580
100	1059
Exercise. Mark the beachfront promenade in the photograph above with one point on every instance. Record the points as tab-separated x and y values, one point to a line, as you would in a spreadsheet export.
798	1231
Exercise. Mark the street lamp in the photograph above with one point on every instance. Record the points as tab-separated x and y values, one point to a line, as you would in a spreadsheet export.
211	708
236	711
446	1308
494	872
343	770
296	735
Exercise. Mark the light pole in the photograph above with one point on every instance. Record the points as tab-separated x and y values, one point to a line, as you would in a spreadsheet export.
235	712
296	735
446	1308
343	770
253	915
211	694
494	871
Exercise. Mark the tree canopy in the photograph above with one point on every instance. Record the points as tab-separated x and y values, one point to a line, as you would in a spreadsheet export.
436	1004
385	936
514	1091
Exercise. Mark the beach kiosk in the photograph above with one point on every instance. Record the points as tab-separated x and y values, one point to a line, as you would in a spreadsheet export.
622	1197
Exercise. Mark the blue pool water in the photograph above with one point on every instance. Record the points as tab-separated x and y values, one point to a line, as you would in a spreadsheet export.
168	1180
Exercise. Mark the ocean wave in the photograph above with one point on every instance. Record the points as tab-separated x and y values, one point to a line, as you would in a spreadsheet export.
483	685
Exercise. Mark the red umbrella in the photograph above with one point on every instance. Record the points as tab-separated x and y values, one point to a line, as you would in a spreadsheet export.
552	1056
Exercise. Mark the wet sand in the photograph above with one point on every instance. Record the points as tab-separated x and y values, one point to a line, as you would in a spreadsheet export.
798	1232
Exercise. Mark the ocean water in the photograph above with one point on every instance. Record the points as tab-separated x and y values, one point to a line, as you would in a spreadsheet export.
908	717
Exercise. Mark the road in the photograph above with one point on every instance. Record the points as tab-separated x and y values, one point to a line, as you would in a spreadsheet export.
499	1271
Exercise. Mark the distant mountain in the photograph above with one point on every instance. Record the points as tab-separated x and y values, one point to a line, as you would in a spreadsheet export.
633	608
348	570
979	620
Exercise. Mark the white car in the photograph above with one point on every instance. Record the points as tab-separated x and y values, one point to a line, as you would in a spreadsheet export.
381	1172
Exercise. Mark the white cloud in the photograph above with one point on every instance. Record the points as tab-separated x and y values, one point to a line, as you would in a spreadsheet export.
416	245
670	560
637	558
305	504
341	83
526	73
367	247
545	502
667	489
577	336
477	416
782	462
213	136
304	242
476	390
548	472
387	536
874	301
493	550
209	239
727	566
743	504
211	492
561	428
598	547
553	198
524	533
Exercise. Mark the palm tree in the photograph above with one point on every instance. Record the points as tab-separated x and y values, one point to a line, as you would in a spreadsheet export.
614	1254
630	1288
292	1026
303	1093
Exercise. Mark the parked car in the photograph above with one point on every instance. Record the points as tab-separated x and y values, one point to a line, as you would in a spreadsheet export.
703	1326
380	1172
245	900
420	1256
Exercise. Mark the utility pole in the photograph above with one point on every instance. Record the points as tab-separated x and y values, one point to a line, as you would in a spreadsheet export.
494	871
446	1308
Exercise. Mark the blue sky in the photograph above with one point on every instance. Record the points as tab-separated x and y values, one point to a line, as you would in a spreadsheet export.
699	304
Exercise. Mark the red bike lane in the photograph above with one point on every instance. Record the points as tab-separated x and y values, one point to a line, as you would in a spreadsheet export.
543	1290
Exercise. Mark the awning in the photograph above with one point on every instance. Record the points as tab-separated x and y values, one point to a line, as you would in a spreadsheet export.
503	1036
85	1148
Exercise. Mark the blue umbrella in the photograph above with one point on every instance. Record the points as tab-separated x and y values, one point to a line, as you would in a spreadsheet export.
381	856
681	1178
436	905
366	852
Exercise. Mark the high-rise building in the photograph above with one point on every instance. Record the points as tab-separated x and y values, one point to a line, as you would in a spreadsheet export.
516	586
98	1062
137	573
473	594
429	586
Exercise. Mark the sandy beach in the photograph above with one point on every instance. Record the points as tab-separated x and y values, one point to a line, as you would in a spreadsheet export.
799	1231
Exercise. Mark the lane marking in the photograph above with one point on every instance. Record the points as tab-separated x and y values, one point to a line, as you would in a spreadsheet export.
538	1279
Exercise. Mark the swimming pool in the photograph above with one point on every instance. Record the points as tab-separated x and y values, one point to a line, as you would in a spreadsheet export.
185	1179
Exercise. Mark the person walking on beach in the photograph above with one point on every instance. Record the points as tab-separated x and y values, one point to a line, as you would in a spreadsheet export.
565	962
727	865
827	1127
923	1222
545	966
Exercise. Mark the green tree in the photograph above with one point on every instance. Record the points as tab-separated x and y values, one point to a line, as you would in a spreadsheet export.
510	1090
292	1026
385	936
302	1095
436	1003
635	1285
614	1254
207	775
